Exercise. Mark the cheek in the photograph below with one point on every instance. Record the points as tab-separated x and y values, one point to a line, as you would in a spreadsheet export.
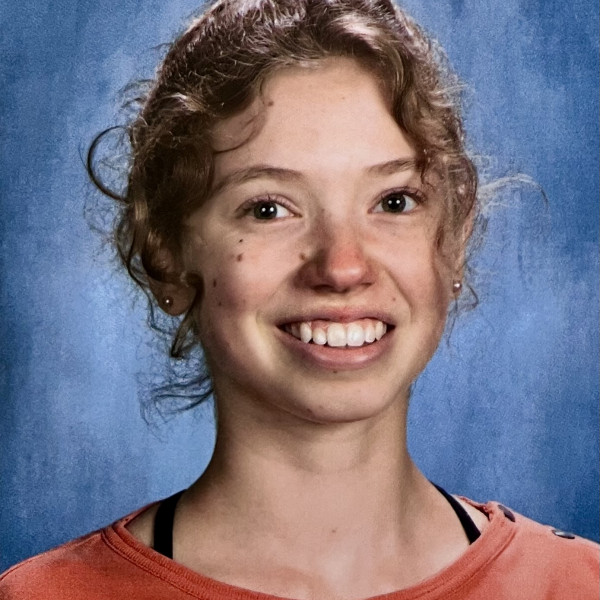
425	285
241	279
229	289
421	270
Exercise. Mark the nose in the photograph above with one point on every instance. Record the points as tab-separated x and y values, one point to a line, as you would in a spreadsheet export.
337	260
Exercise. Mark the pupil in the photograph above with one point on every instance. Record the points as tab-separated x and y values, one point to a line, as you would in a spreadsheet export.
265	210
395	203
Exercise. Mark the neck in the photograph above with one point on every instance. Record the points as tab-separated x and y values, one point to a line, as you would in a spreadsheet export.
339	483
339	505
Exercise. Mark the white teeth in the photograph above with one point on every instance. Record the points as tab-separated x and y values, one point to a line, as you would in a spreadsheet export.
339	335
355	335
319	336
305	332
336	335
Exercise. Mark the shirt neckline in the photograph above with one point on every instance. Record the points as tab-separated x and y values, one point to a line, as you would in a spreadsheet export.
494	538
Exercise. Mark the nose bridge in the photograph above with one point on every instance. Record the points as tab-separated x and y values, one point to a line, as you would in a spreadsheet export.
338	254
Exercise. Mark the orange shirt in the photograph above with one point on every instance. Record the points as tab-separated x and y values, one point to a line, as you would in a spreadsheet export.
513	559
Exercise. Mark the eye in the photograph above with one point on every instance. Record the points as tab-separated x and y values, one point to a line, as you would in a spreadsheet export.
266	209
397	203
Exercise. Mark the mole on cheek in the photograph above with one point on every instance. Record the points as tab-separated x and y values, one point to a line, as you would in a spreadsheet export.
302	256
240	241
214	283
239	257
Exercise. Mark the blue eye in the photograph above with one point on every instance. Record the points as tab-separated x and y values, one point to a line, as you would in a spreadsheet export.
396	203
267	210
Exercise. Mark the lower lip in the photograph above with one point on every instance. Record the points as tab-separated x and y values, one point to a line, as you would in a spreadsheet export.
348	358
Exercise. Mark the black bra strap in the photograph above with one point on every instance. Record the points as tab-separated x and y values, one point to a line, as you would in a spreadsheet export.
163	525
467	523
165	515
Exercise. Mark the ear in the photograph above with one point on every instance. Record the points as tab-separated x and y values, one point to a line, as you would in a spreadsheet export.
173	298
175	295
462	241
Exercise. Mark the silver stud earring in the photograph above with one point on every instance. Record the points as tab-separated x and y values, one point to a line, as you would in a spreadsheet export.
456	286
167	301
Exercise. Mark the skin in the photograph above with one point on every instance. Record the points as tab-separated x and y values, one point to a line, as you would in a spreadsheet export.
311	470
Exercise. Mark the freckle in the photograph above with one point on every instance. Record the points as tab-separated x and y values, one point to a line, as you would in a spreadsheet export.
270	103
239	257
393	298
335	372
219	304
302	256
214	283
334	530
241	241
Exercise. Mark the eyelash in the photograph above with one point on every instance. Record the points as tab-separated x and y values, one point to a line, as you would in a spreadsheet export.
250	205
412	193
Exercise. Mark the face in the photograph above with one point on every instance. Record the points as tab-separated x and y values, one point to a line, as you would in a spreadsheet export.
324	293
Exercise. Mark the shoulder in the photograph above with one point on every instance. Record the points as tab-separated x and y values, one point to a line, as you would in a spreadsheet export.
57	573
542	561
97	565
555	550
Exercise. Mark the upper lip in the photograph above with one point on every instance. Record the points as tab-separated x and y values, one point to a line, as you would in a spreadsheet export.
339	315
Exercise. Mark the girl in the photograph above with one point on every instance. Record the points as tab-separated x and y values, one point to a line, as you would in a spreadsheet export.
300	193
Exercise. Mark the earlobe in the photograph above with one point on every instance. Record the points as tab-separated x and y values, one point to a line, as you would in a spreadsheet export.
460	259
174	298
172	291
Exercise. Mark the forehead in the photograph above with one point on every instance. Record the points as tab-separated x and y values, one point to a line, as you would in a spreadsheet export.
328	116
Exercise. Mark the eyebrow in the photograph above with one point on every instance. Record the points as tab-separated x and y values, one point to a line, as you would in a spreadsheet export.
278	173
393	166
256	172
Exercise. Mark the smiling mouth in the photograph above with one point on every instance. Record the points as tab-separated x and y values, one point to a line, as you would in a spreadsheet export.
338	335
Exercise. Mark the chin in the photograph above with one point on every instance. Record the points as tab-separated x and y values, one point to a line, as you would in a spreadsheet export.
340	404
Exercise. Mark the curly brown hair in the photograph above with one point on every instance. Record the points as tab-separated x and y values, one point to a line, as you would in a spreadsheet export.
218	66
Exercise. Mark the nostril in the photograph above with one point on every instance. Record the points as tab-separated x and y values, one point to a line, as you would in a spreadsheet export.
338	268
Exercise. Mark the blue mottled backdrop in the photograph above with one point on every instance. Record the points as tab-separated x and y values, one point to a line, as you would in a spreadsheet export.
508	409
